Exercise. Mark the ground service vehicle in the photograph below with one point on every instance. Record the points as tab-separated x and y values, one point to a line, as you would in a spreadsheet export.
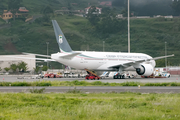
52	75
104	75
158	75
166	74
92	77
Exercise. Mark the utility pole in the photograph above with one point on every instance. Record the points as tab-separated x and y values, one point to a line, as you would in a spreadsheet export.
103	45
128	30
166	57
47	51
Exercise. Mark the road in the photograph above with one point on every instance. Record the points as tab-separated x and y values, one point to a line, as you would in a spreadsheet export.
94	89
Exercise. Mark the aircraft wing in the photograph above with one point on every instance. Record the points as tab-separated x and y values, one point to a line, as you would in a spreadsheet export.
128	64
156	58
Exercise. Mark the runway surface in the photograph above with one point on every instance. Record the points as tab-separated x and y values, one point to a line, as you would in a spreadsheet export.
94	89
110	80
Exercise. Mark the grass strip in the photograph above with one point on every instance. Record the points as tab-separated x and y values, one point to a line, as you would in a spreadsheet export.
93	106
84	83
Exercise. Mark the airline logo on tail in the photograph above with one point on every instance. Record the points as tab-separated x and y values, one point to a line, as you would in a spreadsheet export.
60	39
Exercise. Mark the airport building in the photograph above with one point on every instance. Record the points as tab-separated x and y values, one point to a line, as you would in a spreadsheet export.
7	60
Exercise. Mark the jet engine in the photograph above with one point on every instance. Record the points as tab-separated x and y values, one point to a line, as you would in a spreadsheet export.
145	70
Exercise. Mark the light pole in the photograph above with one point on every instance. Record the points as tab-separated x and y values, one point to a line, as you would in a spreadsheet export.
103	45
128	30
166	57
47	51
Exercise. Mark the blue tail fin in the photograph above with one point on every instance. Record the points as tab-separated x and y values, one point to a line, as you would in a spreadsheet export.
61	40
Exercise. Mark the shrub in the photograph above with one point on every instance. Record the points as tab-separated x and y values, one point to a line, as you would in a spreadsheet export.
97	83
130	84
74	91
21	84
44	84
37	90
174	84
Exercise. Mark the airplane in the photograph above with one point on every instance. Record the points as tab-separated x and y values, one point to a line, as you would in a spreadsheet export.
142	63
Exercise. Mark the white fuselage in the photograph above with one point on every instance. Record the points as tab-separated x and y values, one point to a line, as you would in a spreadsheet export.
100	60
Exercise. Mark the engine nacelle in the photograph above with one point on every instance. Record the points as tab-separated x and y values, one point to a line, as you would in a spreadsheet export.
145	70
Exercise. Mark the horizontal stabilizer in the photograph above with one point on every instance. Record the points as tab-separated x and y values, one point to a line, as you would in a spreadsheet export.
30	58
36	54
70	56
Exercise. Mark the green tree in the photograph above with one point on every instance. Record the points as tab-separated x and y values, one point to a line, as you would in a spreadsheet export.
47	10
37	69
176	6
6	69
69	6
160	63
13	6
45	20
109	23
44	68
92	16
22	66
13	67
119	3
0	69
2	7
124	12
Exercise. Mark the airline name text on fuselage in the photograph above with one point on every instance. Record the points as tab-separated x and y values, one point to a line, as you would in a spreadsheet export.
124	56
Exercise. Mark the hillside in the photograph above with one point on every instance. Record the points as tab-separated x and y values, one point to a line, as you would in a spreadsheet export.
147	36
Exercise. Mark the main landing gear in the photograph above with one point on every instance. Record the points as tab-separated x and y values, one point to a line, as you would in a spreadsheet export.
120	74
118	77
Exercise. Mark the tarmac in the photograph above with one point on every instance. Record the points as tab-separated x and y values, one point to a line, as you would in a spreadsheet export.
93	89
14	78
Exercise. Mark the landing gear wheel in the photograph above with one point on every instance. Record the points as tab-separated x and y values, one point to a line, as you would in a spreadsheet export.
123	77
114	77
119	76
